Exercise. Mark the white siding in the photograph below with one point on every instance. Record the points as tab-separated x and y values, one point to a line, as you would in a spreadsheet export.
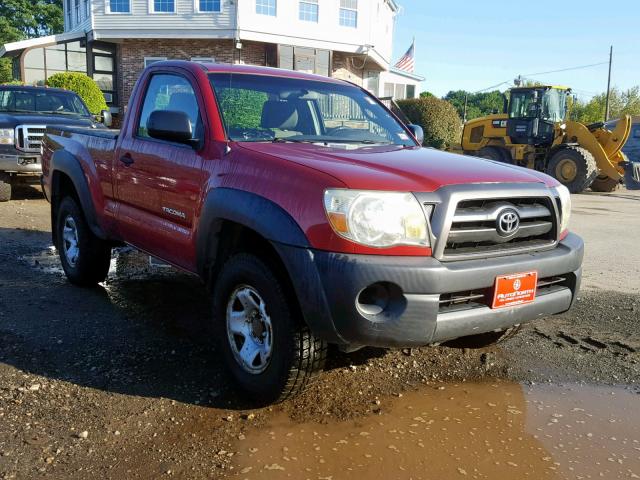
184	23
375	26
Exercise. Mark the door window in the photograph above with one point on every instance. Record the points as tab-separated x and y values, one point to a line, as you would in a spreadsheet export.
174	93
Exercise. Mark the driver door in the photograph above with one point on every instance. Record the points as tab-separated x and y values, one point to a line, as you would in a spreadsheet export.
159	183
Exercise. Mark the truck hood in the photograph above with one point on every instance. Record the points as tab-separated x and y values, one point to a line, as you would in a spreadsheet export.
396	168
13	119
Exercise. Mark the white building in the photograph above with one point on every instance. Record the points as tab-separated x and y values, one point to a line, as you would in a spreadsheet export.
113	40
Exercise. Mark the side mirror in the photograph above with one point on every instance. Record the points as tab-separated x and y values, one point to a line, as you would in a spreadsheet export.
417	132
171	126
106	118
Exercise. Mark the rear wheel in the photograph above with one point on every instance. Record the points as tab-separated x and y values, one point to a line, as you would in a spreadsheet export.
603	183
5	187
271	354
85	258
495	153
574	167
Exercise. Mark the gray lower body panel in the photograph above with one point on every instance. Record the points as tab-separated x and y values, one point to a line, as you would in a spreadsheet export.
328	285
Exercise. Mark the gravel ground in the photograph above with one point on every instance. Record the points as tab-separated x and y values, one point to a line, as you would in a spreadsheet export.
122	381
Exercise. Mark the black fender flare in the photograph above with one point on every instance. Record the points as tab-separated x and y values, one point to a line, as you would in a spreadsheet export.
278	227
65	162
250	210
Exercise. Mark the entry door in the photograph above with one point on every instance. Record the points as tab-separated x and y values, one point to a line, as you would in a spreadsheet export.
159	183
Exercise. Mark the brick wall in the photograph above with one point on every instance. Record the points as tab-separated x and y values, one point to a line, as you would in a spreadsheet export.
131	53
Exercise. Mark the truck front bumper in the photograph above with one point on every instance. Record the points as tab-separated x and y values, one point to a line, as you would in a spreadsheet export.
21	163
384	301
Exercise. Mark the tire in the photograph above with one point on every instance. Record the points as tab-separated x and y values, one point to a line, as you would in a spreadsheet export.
85	258
603	183
495	153
285	355
5	187
574	167
483	340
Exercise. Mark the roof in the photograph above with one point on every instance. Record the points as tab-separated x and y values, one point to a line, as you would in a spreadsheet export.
253	70
34	87
413	76
531	87
16	47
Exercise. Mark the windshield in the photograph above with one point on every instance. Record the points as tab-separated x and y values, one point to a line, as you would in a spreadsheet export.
525	104
260	108
41	101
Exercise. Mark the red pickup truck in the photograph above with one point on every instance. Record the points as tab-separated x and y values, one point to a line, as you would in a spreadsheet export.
314	216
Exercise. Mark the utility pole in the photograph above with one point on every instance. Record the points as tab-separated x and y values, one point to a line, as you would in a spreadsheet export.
464	116
606	108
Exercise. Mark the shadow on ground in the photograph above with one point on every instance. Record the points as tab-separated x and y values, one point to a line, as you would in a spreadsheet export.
144	332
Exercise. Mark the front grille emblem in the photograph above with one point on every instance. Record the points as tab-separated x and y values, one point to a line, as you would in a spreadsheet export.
508	223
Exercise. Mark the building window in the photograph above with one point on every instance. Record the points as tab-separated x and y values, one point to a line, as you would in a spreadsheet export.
266	7
388	90
399	93
119	6
69	13
76	10
309	10
86	8
208	6
303	59
411	91
349	13
151	60
163	6
203	59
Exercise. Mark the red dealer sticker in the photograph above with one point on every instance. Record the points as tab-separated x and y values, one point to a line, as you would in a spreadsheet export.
515	289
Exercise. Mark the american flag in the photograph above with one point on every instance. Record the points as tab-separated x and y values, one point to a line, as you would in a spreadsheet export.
407	62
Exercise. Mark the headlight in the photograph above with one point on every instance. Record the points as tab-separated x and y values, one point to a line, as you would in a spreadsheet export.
565	202
377	219
6	136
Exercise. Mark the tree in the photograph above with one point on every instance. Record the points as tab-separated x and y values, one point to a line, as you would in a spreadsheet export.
83	85
478	104
426	94
437	117
21	19
621	102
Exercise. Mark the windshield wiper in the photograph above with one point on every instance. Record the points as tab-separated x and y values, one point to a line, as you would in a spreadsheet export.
292	140
58	112
351	140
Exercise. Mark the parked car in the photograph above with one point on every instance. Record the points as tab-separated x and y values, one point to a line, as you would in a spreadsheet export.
313	215
25	112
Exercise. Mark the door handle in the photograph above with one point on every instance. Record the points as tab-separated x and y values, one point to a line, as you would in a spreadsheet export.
126	159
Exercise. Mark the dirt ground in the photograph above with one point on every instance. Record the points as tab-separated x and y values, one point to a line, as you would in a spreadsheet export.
123	382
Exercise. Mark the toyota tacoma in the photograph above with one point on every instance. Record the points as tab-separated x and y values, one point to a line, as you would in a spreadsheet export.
313	215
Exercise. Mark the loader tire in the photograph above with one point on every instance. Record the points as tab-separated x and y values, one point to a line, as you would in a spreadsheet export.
495	153
603	183
574	167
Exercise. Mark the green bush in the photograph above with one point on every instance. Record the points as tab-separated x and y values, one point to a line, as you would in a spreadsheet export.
13	82
83	85
441	123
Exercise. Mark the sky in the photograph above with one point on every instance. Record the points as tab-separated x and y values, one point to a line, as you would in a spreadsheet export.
472	44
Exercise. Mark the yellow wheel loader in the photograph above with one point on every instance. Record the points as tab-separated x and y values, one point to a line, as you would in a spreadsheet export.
535	133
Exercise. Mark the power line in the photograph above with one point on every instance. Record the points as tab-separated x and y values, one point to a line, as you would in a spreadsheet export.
567	69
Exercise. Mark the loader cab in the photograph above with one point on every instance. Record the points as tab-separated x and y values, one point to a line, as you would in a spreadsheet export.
534	112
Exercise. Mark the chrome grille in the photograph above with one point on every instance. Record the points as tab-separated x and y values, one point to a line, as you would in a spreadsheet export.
474	227
29	137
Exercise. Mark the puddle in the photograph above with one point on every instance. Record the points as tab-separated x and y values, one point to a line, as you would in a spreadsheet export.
484	431
126	263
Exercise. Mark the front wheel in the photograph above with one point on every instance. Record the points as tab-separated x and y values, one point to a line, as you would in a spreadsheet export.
574	167
271	354
85	258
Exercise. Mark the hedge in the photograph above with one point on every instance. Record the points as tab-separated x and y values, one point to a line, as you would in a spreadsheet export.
83	85
439	119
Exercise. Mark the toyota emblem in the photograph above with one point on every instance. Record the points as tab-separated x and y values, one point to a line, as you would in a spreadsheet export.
507	223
